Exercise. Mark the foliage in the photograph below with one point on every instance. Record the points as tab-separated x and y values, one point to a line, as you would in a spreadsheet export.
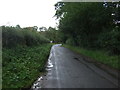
110	41
13	36
89	25
52	34
22	65
101	56
22	58
70	41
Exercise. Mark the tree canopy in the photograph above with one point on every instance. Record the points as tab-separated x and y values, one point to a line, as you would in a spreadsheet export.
88	25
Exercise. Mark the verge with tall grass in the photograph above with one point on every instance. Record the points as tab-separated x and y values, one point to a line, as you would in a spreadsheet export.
99	56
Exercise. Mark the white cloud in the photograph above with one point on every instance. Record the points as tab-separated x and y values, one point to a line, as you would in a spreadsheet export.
27	12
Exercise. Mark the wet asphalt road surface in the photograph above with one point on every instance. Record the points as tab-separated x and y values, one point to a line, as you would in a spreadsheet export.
67	69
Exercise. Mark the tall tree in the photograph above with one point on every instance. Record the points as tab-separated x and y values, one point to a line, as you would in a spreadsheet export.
83	21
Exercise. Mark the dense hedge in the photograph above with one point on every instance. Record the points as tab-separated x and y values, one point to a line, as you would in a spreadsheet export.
12	36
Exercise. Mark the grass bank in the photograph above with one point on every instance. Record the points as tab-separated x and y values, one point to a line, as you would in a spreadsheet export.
22	65
99	56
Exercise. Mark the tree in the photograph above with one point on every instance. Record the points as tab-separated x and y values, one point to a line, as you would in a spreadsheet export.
82	22
35	28
42	28
18	27
86	24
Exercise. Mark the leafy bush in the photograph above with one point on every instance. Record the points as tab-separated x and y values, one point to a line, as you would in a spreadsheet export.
22	65
90	25
70	41
20	62
13	36
111	41
33	38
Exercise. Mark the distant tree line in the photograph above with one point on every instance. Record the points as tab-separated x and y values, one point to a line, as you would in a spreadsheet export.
52	34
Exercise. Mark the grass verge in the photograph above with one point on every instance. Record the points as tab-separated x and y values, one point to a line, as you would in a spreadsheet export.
100	56
22	65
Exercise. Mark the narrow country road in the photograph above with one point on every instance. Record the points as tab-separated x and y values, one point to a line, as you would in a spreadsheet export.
69	70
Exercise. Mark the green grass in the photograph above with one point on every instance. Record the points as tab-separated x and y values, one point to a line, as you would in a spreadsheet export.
22	65
100	56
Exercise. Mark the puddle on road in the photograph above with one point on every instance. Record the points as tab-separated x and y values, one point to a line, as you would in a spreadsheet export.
50	65
37	84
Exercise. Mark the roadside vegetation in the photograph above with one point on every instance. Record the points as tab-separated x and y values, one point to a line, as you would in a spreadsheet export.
91	29
22	65
14	36
24	55
97	55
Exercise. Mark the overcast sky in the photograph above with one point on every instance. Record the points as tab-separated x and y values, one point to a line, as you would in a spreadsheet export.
27	13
